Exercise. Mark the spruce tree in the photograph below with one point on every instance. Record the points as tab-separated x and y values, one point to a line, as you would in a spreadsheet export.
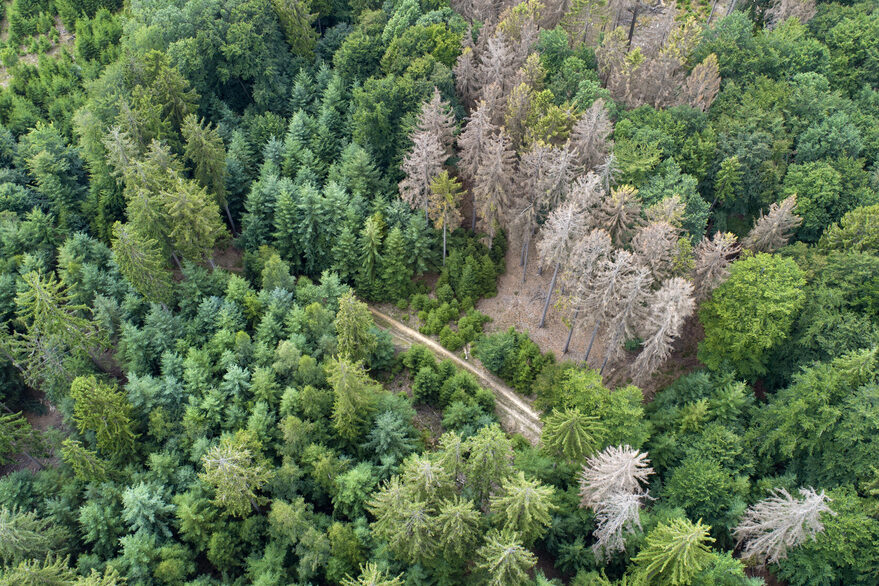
141	262
104	410
396	272
355	395
523	507
234	468
674	553
444	204
571	436
504	560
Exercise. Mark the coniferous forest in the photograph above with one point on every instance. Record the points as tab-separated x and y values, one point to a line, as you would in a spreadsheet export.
252	254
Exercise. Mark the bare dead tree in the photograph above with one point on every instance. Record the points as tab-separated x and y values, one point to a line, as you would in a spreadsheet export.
497	64
773	230
466	71
613	470
579	272
493	184
421	165
472	145
773	526
596	299
564	228
620	212
781	10
618	514
712	258
534	167
702	85
669	308
629	312
655	246
436	118
589	137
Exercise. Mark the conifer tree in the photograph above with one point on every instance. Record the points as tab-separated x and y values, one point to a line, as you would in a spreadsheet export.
285	220
354	400
523	507
16	436
104	410
596	299
370	245
27	536
772	231
504	560
781	522
296	18
396	273
586	259
614	470
671	305
473	141
630	311
235	470
674	553
620	213
194	220
457	528
493	183
465	70
345	254
141	262
712	258
444	205
371	575
489	460
86	464
571	436
205	150
353	321
436	118
655	247
702	85
589	137
421	165
728	181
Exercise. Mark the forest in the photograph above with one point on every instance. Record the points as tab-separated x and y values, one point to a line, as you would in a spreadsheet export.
205	205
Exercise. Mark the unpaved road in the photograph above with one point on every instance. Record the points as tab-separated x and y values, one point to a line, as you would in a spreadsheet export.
514	412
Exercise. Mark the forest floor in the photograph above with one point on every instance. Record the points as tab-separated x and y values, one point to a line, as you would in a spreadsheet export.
43	419
515	413
520	305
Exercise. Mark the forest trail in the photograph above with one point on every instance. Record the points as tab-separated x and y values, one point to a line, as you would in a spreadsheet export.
514	412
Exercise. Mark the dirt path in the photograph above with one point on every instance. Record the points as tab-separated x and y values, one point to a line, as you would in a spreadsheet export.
514	412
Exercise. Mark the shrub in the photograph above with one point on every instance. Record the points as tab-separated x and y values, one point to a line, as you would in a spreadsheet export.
426	386
514	357
450	339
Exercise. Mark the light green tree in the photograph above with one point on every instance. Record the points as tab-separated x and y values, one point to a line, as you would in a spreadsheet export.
489	459
444	204
751	313
504	560
371	575
205	151
523	507
16	436
570	435
86	464
141	262
236	471
23	535
354	341
674	553
457	528
354	397
104	410
296	18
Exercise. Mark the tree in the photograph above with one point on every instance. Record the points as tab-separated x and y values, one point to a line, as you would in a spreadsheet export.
630	312
144	509
589	137
421	165
856	231
617	514
104	410
751	313
773	230
141	262
523	508
396	271
620	213
234	468
597	297
27	536
565	226
353	321
570	435
458	528
370	244
296	19
493	183
473	141
437	119
16	436
444	204
780	522
702	85
614	470
205	150
670	306
193	218
370	575
489	459
674	553
354	397
586	258
504	560
781	10
85	463
655	246
48	572
712	259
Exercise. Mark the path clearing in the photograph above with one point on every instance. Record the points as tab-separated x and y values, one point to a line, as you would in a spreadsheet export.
514	412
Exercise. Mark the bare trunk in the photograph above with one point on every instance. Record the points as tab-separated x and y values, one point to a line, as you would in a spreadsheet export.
177	261
525	257
231	221
591	341
632	27
710	14
571	332
732	6
473	222
549	294
211	262
444	244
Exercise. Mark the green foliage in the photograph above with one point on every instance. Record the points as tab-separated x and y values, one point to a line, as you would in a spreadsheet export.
750	313
105	411
514	357
674	553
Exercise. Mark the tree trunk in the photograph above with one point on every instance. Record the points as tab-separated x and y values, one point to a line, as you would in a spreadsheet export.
211	262
591	340
473	223
549	294
571	332
444	244
231	221
732	6
525	257
177	260
710	14
632	26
